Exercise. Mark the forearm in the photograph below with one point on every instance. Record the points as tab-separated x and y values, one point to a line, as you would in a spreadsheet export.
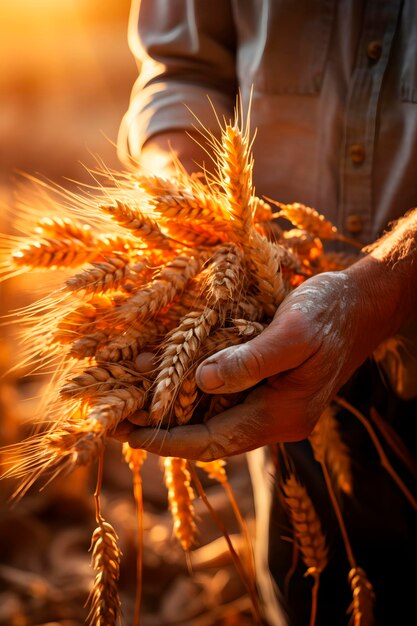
388	276
186	52
161	151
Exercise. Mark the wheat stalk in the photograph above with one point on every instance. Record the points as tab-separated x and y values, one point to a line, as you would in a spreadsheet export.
135	459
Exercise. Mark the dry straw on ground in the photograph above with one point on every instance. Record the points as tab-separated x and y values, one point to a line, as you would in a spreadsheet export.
177	267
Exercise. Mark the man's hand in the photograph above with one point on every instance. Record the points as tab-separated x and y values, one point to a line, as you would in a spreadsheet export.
319	336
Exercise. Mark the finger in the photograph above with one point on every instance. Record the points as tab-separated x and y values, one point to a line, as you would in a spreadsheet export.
232	432
283	345
122	431
139	418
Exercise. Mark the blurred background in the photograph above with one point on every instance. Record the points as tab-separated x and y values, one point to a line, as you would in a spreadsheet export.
65	77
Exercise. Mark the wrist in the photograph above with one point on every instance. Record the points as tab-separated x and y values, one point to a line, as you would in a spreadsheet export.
381	292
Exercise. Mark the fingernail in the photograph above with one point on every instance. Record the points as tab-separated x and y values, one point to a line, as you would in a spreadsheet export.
209	377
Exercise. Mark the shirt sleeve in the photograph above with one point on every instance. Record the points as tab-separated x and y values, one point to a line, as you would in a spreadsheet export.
186	53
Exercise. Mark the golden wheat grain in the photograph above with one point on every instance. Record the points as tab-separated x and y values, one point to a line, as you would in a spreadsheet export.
108	409
180	497
50	253
189	206
214	469
65	227
134	457
140	224
194	234
155	185
170	281
104	597
329	448
113	243
221	338
180	350
49	454
87	346
235	173
185	400
306	218
306	523
97	379
129	343
362	607
102	276
225	276
261	210
264	258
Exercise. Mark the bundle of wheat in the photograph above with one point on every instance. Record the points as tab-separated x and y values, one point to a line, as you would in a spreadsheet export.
172	269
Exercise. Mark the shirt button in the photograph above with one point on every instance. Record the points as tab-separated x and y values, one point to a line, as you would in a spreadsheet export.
357	153
374	50
354	224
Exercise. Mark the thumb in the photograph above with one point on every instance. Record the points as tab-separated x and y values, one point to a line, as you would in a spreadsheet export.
283	345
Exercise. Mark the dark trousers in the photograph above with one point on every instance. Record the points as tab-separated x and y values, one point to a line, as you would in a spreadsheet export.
381	524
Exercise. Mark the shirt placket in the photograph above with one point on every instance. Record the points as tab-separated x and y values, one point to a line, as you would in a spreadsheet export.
357	154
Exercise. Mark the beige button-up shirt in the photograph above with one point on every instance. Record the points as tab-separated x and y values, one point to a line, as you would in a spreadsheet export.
334	104
334	95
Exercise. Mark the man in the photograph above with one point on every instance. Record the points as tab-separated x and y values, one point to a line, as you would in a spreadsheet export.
335	107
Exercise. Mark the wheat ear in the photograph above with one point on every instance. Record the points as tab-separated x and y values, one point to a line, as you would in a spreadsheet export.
308	534
180	351
140	224
168	283
190	206
64	227
224	280
333	450
235	173
306	218
264	259
362	607
53	253
180	498
127	345
195	234
105	559
98	379
319	455
185	401
104	275
307	526
108	409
